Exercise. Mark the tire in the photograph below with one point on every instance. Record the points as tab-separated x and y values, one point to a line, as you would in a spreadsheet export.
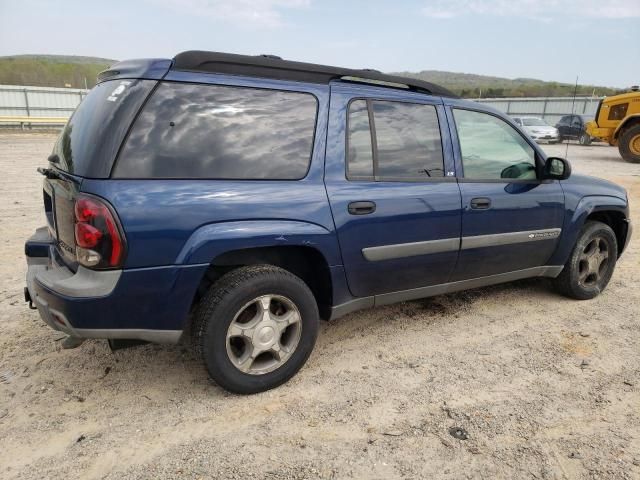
584	139
248	310
573	281
629	144
560	139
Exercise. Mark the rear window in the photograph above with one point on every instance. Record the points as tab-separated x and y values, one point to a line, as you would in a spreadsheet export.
220	132
91	138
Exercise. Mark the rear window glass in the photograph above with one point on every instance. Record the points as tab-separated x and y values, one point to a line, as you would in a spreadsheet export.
211	131
91	138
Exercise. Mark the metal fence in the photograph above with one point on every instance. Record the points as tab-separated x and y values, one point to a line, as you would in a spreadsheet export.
61	102
550	108
39	101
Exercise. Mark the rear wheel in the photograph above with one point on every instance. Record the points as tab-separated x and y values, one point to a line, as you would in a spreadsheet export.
629	144
584	139
255	328
591	264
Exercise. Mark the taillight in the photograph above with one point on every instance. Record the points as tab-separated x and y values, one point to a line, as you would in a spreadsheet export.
99	238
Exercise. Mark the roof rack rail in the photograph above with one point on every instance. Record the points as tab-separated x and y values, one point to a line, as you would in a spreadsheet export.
271	66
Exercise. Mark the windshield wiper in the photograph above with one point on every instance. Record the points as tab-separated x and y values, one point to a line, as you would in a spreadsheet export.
50	173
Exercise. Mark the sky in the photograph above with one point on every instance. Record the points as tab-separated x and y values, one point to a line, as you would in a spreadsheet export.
595	40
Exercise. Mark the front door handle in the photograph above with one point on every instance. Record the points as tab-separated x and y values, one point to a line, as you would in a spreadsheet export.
480	203
361	208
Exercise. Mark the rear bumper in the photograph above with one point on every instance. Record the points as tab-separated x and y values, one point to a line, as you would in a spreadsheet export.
149	304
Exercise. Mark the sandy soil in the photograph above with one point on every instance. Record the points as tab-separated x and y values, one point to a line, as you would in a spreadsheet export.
544	386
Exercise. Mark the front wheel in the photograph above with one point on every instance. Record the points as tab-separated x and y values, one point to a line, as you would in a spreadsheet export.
591	264
255	328
629	144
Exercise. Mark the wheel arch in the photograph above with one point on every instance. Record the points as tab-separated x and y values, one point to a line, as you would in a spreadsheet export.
615	219
305	249
629	121
608	209
305	262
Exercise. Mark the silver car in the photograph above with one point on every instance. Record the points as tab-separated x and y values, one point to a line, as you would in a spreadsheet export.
538	129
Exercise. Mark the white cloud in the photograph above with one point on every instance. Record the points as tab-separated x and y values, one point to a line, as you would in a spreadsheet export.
537	9
254	13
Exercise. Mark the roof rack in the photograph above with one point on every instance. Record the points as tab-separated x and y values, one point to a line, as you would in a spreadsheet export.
271	66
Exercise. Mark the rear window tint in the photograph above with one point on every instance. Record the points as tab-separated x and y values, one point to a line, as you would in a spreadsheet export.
89	142
220	132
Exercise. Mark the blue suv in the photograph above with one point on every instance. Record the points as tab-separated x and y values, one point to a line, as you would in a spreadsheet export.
236	200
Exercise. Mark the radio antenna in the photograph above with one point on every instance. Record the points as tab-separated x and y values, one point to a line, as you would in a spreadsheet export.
573	104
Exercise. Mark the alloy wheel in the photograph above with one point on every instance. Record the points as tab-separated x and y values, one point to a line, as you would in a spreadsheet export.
593	262
264	334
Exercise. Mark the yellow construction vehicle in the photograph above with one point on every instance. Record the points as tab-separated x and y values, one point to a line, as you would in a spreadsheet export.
617	122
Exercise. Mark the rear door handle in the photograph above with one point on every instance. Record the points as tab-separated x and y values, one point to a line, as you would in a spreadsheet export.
361	208
480	203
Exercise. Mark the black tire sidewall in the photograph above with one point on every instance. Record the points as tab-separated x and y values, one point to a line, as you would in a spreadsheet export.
584	139
214	351
589	231
625	140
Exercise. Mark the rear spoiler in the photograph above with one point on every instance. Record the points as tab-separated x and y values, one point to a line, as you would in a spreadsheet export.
148	69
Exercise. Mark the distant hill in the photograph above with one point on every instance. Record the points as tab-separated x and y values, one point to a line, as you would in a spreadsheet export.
70	70
470	85
52	70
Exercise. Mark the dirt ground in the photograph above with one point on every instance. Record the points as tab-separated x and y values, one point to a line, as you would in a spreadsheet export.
544	386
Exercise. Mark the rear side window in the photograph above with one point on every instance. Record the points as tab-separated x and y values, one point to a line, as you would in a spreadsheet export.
220	132
89	142
402	143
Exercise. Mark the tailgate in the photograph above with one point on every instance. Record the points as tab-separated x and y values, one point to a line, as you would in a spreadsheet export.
59	202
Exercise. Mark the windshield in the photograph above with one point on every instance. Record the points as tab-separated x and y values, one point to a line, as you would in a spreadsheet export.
534	122
91	138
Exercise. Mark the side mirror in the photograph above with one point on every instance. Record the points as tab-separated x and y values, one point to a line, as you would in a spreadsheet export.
556	168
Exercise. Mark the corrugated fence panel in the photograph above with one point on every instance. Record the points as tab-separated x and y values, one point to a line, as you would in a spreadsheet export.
39	101
61	102
550	108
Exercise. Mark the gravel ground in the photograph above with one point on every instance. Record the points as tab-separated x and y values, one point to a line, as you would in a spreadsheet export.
545	387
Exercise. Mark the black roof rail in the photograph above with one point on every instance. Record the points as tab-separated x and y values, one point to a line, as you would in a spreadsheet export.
271	66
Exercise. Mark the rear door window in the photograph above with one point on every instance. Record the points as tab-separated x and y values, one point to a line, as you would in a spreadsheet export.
89	142
360	147
220	132
402	144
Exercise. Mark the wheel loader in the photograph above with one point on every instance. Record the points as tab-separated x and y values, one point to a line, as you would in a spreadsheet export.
617	122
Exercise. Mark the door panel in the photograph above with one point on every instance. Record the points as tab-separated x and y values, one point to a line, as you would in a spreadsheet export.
519	230
510	220
411	238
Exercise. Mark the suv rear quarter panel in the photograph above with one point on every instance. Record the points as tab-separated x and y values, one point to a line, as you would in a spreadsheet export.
171	221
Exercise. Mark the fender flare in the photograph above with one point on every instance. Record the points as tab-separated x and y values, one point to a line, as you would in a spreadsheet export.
211	240
585	207
625	121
